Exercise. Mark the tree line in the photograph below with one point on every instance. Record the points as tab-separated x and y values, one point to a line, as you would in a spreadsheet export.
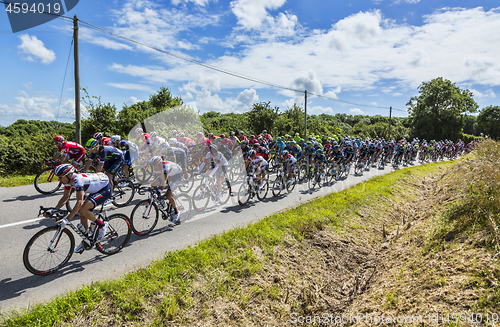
440	111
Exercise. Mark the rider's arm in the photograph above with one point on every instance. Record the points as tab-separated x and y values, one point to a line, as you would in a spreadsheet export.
78	205
64	198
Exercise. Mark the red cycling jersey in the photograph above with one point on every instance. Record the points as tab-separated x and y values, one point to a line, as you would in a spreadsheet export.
72	150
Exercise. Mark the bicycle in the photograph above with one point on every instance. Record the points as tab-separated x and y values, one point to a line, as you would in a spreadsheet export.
52	247
208	190
281	182
316	177
143	218
250	188
45	181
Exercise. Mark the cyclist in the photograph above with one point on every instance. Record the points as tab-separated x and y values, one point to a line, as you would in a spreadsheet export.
267	137
129	150
289	162
186	140
69	150
242	137
233	138
103	140
174	154
144	137
169	175
109	159
99	188
259	164
219	163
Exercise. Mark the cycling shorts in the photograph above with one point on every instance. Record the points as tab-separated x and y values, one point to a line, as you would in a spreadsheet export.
112	166
100	196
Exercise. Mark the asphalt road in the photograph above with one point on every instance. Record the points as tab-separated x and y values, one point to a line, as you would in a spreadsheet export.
18	223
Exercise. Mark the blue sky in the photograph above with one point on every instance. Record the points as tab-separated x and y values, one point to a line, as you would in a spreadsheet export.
373	53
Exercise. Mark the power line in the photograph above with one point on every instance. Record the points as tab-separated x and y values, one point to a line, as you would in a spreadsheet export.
64	78
227	72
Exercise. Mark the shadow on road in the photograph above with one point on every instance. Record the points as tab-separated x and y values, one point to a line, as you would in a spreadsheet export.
12	288
49	197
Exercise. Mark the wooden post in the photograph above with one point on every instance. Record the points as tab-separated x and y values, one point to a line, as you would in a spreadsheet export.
78	135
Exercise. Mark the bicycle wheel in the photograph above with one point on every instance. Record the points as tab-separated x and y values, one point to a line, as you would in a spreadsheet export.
302	173
46	182
331	176
186	185
262	192
290	184
313	182
226	192
44	254
116	236
144	217
277	186
183	203
144	174
358	168
201	196
244	194
123	192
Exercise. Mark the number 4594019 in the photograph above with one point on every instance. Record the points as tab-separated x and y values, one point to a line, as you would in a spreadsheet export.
24	8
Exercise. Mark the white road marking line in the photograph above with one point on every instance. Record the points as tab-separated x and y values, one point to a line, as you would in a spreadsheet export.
22	222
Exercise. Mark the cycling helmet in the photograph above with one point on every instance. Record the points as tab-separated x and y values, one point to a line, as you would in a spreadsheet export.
139	130
213	147
92	144
319	151
285	152
264	132
241	133
211	135
252	136
251	153
172	141
336	147
256	146
58	139
97	136
222	136
115	138
200	134
174	132
155	160
309	143
182	134
231	133
63	170
153	134
163	146
279	139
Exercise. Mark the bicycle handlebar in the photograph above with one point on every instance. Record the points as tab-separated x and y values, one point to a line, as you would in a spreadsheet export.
59	214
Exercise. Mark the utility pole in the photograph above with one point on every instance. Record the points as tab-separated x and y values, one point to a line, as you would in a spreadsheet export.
390	114
305	115
78	136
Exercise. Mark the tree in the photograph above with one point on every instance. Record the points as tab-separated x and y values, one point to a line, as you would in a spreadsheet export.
262	117
489	119
99	117
438	112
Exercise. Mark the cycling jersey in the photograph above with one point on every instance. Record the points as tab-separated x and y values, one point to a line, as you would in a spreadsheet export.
168	168
89	183
72	150
187	141
176	154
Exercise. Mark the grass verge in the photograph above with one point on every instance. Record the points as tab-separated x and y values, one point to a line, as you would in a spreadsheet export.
17	180
334	254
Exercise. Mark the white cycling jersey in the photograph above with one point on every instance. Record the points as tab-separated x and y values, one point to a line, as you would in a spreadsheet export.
89	183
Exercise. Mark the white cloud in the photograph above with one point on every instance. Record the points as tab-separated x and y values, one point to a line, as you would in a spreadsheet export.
482	95
198	2
320	110
33	47
131	86
356	111
333	93
132	100
251	13
37	107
